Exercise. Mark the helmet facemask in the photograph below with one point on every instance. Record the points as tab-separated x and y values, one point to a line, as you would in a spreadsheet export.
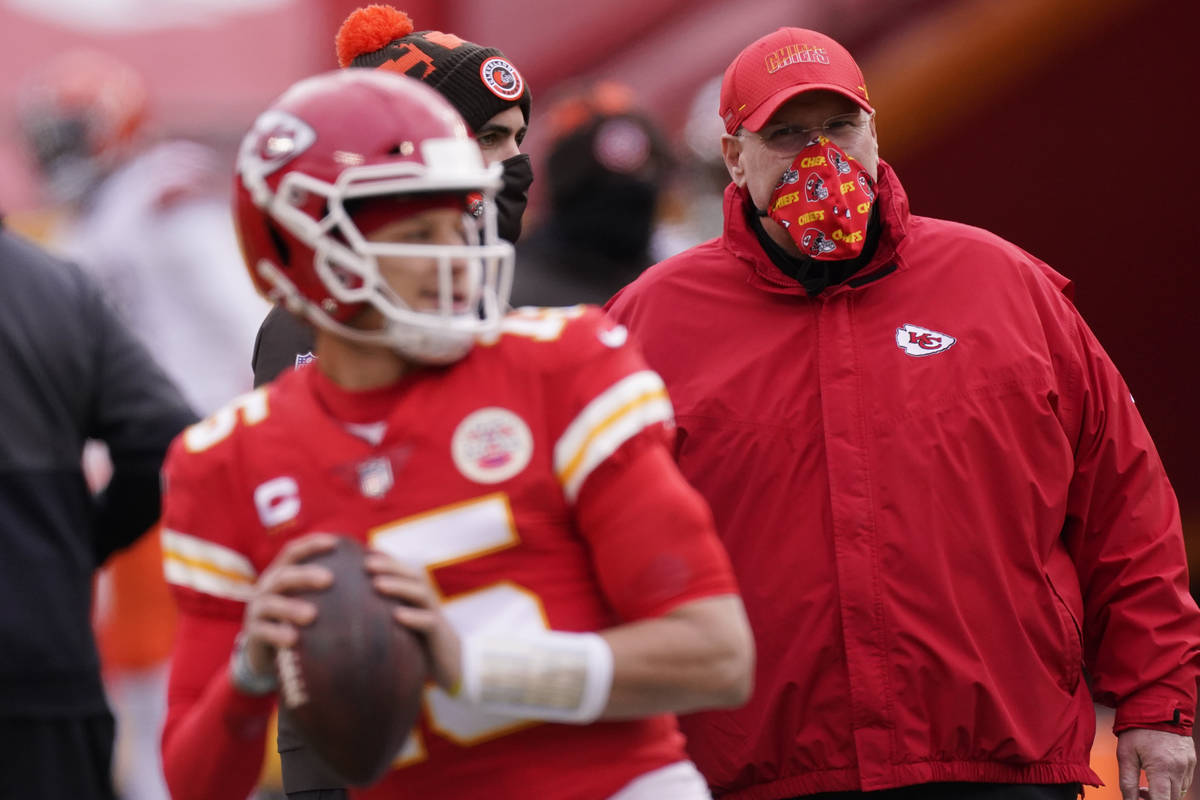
347	263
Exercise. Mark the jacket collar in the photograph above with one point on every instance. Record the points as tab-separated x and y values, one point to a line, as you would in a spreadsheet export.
740	240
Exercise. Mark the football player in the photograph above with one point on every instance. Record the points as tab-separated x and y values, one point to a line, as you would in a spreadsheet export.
512	473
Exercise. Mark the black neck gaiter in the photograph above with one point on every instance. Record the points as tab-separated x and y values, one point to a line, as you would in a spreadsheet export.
815	276
513	195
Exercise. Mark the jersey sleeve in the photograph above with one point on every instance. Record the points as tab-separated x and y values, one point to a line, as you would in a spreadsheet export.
207	567
652	536
214	738
602	399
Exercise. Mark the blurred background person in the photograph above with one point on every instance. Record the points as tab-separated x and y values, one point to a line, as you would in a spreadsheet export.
606	167
148	219
693	209
72	372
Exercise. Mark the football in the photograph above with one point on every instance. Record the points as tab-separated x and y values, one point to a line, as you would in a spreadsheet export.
351	687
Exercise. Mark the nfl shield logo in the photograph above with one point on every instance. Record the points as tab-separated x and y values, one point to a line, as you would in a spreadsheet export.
305	358
375	477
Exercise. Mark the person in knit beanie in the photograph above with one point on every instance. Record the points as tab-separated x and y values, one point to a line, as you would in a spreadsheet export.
480	82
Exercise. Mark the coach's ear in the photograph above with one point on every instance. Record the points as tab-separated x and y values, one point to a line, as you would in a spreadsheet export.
731	151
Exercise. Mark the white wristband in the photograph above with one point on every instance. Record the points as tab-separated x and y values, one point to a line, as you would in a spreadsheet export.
548	675
244	678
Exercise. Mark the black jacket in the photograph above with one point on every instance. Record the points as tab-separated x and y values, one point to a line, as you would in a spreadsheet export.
282	338
70	372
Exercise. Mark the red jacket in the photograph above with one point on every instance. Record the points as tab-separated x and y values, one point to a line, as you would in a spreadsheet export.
941	504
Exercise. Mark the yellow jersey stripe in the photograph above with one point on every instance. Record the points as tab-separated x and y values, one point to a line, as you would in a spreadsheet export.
206	567
611	419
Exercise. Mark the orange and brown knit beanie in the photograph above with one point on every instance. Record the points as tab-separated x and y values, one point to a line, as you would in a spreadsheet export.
478	81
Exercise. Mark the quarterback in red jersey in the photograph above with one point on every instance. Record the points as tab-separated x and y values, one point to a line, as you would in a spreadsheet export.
511	474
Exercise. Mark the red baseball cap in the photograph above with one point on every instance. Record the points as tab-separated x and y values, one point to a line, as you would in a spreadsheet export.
781	65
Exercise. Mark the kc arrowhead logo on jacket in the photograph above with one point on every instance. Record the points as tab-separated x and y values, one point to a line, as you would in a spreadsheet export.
918	341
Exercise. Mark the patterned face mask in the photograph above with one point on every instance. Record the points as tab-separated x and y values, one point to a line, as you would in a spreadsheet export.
824	201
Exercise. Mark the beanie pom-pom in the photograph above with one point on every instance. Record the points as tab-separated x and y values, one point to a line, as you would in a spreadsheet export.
368	29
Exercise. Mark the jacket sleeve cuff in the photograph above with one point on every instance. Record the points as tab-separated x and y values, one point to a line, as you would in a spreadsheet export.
1157	708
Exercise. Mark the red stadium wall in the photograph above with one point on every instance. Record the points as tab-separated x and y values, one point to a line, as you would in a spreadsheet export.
1088	162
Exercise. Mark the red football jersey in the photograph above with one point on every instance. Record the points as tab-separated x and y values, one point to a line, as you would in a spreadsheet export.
481	473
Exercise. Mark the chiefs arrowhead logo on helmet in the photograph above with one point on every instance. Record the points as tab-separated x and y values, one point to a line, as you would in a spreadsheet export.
276	138
815	243
789	176
815	189
839	163
867	185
